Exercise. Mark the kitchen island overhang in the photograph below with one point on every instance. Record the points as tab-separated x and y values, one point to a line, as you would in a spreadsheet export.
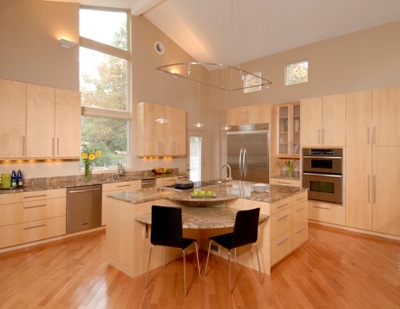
128	232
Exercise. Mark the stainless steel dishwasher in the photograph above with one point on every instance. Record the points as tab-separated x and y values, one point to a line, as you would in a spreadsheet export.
83	208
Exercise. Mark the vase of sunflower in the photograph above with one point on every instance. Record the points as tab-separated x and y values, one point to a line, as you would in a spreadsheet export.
88	156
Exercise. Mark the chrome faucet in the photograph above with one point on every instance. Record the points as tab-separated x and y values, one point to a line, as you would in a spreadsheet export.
229	172
120	172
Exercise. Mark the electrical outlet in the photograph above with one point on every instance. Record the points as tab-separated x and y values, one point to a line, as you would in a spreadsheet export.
215	248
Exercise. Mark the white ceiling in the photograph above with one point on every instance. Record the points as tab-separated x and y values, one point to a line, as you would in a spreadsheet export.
236	31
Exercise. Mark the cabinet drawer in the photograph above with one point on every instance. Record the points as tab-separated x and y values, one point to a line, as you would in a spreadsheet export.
300	234
10	198
122	186
43	209
280	247
16	234
279	205
167	181
43	194
280	222
326	212
284	182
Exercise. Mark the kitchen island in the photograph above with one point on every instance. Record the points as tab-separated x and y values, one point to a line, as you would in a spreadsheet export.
282	228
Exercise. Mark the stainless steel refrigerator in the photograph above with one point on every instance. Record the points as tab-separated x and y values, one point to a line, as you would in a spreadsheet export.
248	152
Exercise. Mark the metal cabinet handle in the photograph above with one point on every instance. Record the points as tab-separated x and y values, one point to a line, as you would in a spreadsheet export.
300	230
321	207
283	241
34	227
281	218
35	206
33	196
23	145
300	209
323	136
374	136
369	188
122	186
319	136
374	189
283	205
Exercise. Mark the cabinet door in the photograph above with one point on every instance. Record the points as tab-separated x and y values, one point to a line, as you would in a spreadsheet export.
177	132
147	139
334	120
238	116
358	118
67	123
12	119
259	113
386	116
358	173
311	124
386	184
40	141
284	138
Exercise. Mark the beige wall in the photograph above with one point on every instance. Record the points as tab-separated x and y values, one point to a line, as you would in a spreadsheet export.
358	61
30	52
29	47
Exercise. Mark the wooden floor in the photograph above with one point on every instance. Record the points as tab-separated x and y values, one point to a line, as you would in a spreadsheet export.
334	269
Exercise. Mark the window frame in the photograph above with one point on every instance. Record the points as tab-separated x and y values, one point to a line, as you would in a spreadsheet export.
119	53
287	72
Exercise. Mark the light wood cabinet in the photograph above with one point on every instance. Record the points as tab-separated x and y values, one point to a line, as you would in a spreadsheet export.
372	166
156	139
67	131
166	181
288	136
323	121
373	117
116	187
32	216
12	119
327	212
288	226
53	122
39	121
284	181
252	114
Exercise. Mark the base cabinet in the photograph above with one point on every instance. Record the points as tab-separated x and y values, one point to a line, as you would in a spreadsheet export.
115	187
326	212
288	226
32	216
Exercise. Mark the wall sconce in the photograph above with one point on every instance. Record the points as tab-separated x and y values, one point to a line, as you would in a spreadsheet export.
67	44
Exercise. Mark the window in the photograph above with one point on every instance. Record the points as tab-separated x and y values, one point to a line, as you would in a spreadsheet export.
297	73
104	67
252	82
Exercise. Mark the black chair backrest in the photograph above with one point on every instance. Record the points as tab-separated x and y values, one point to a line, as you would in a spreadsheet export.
166	226
245	230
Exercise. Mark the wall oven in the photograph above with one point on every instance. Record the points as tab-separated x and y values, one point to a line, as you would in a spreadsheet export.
322	174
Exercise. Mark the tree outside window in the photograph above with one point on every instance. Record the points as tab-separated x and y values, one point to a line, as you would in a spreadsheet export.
297	73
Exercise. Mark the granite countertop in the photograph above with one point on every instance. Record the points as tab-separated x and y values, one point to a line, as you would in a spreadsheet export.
224	192
205	217
49	183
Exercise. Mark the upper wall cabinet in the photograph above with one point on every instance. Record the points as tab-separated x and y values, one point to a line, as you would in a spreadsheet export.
373	118
12	119
323	121
43	121
249	114
156	139
53	122
288	123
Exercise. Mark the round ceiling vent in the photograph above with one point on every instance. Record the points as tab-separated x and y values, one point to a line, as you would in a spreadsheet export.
159	47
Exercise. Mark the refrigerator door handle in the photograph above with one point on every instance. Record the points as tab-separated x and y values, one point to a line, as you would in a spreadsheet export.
240	162
244	163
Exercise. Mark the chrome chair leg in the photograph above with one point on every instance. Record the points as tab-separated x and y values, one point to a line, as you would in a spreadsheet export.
208	255
259	265
229	271
148	266
184	272
197	255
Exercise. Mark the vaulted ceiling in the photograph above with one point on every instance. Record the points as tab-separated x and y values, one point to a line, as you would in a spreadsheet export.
236	31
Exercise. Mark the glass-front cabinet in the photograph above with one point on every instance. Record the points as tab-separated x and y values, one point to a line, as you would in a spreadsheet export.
289	130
